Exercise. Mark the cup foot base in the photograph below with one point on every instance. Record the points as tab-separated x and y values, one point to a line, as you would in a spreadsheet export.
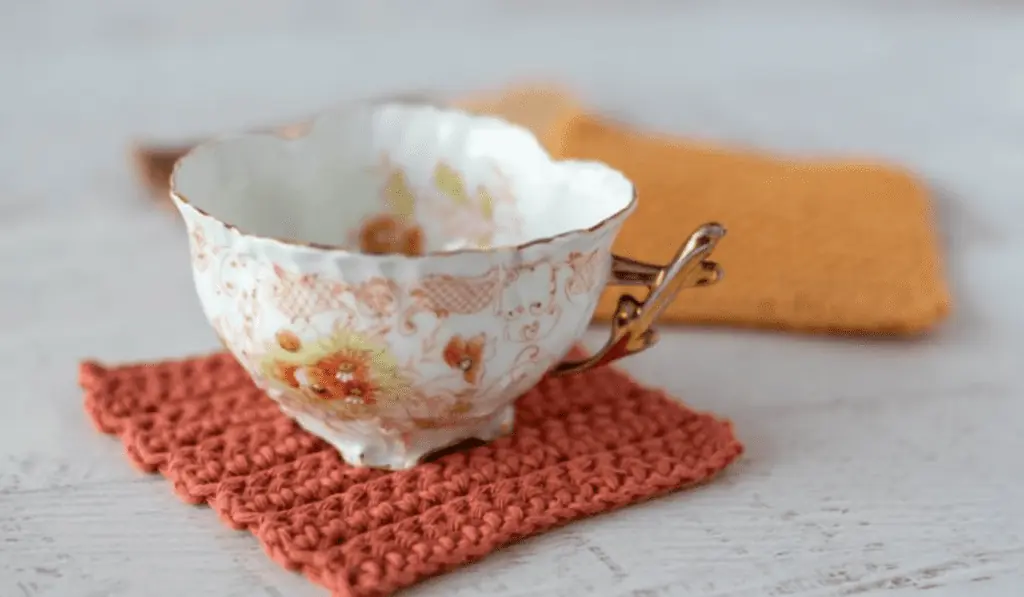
363	445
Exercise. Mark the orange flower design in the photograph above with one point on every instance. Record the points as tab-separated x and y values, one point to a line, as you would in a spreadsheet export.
348	365
387	234
359	391
344	375
288	340
466	355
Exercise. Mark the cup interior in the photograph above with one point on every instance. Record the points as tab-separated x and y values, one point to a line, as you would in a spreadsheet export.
399	178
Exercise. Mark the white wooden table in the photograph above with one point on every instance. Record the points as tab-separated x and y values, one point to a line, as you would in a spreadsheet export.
873	468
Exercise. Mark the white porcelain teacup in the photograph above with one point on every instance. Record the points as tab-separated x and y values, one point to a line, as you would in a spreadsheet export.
395	274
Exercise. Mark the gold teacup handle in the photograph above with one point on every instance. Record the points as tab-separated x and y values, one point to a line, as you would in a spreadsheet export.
632	325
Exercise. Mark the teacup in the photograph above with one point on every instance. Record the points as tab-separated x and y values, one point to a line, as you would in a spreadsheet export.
395	275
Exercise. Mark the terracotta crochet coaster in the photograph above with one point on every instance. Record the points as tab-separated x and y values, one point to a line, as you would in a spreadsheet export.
582	446
828	246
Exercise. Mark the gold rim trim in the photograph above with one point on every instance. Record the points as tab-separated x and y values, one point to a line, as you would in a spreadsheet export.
300	130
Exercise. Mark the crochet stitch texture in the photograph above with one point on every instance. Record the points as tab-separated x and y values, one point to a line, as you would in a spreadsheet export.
582	445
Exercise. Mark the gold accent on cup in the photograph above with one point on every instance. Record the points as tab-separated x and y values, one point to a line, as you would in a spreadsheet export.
633	324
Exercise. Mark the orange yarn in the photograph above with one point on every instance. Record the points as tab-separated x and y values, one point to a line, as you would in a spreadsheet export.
827	246
830	246
582	445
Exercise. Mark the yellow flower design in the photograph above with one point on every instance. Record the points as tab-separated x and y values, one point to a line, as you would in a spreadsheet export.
448	181
398	195
486	203
347	374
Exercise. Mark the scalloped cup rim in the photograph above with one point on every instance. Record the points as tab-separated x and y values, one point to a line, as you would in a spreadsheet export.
292	135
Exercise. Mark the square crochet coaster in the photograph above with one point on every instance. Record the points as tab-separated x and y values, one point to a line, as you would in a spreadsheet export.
840	247
582	445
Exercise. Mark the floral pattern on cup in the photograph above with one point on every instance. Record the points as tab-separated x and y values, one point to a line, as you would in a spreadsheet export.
349	375
411	219
466	355
387	234
396	275
329	354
